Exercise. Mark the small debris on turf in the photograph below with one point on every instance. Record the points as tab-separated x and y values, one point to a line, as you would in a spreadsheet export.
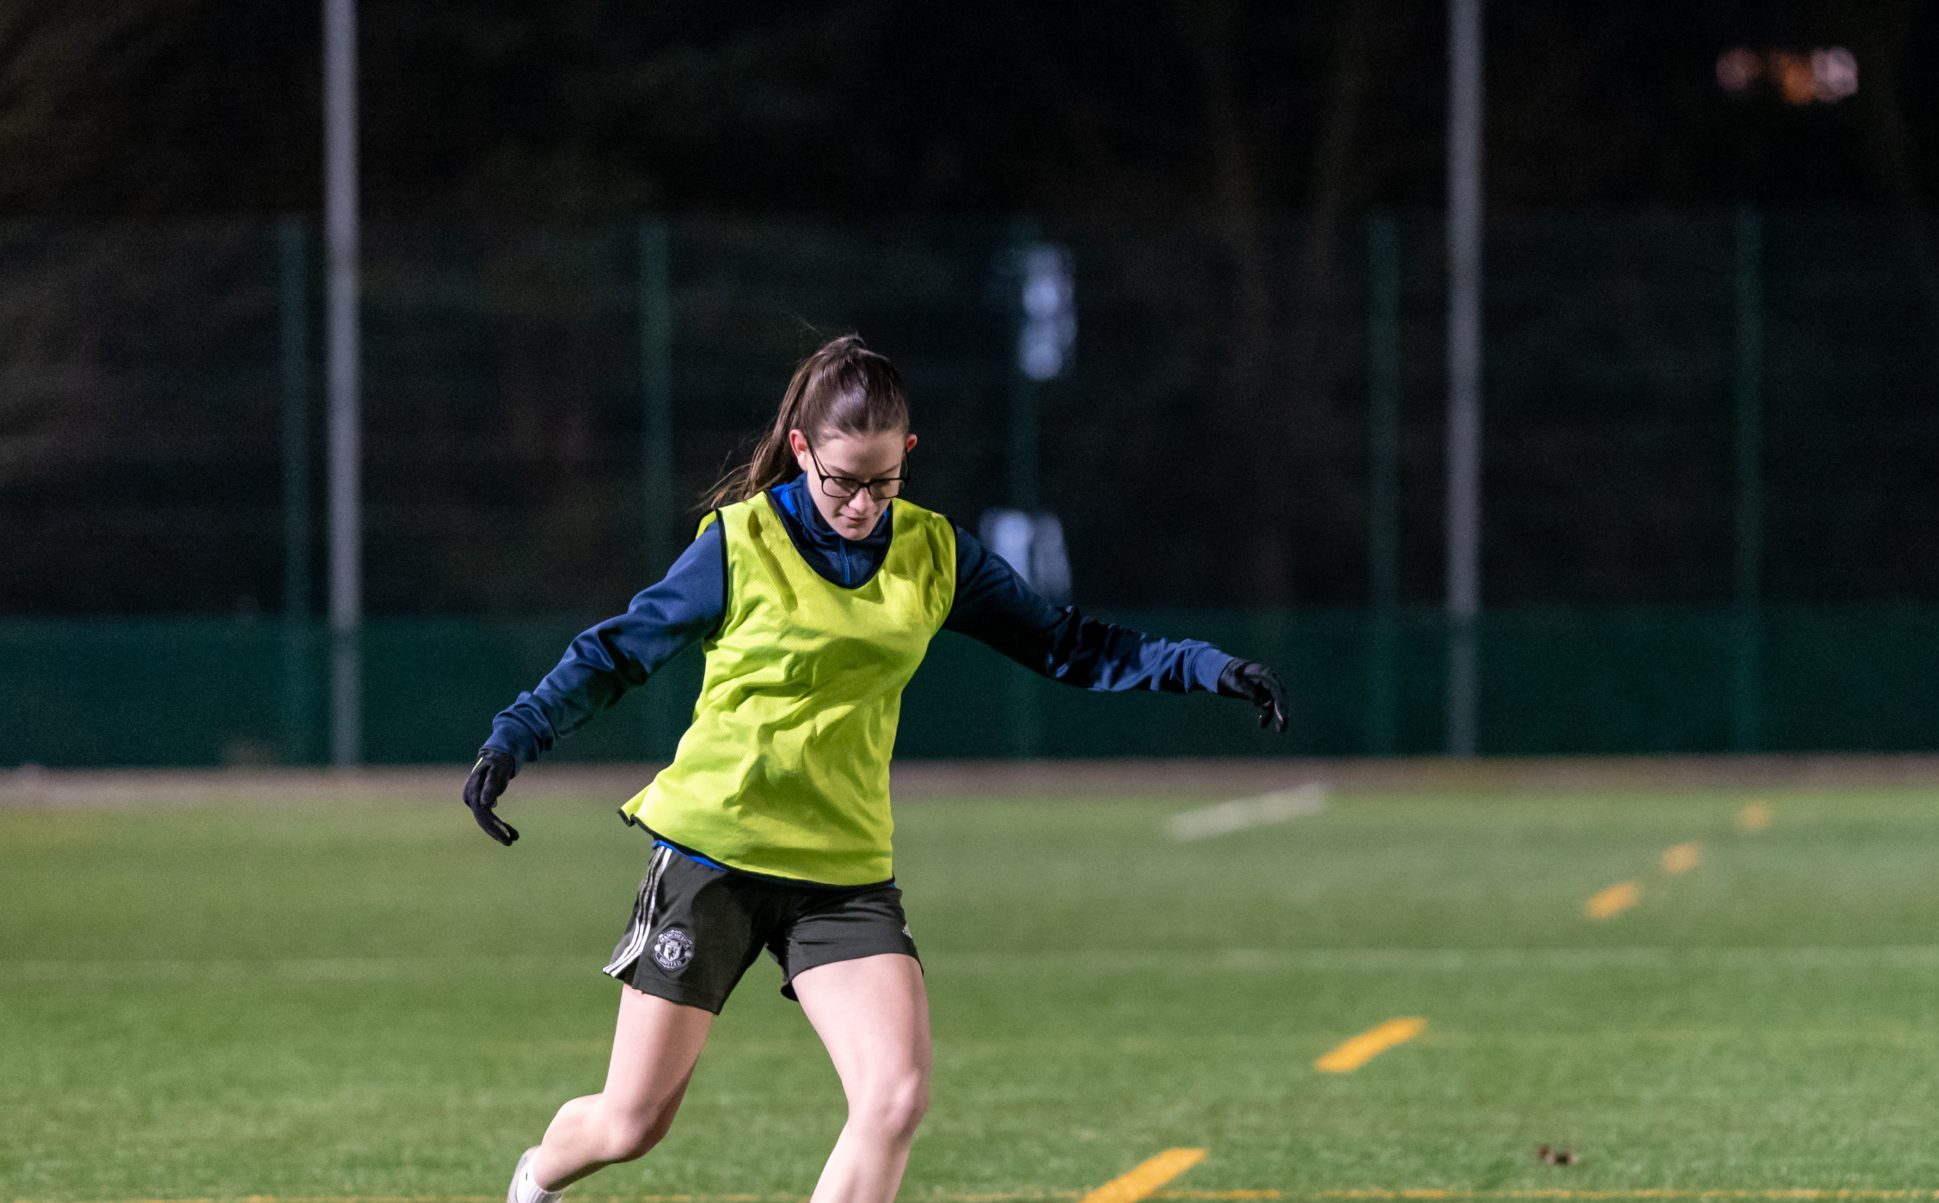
1554	1156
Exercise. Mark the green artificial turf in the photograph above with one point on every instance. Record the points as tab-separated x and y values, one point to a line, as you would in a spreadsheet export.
369	998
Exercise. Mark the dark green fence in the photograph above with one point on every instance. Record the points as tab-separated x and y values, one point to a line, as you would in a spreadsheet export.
1708	487
1555	680
1694	408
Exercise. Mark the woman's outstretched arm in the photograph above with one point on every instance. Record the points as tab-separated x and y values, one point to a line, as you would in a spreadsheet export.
996	606
611	657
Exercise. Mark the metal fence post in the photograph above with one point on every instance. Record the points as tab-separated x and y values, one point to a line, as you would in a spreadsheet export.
1026	718
298	716
658	513
1383	486
1464	352
1747	675
344	370
656	391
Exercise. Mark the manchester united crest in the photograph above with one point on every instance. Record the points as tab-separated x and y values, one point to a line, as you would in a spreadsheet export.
672	950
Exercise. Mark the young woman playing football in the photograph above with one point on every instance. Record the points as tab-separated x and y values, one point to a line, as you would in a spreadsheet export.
814	588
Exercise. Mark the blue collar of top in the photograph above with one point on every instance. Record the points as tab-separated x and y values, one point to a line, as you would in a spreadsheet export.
846	562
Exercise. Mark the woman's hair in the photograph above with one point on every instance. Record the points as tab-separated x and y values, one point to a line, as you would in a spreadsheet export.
843	388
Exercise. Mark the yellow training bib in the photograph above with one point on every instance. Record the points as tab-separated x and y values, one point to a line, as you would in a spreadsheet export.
785	768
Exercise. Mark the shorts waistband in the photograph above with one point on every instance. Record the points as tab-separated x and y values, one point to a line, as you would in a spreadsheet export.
699	857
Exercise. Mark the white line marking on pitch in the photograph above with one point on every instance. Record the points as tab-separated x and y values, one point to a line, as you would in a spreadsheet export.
1223	818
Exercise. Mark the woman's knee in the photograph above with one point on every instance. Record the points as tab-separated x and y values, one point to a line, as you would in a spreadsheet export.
893	1103
625	1135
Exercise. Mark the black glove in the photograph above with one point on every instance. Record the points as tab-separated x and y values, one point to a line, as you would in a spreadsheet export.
1259	685
488	779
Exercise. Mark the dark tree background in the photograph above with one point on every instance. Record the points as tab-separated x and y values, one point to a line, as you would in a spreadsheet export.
592	107
1222	117
588	107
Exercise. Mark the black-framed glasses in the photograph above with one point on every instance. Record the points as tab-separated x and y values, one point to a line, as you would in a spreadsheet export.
882	488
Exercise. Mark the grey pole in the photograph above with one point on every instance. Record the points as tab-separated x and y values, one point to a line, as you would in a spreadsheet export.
1747	677
298	658
1464	372
1382	715
663	716
1026	718
656	392
345	386
1023	390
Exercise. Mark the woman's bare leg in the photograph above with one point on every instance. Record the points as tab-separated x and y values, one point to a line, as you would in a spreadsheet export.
654	1050
873	1015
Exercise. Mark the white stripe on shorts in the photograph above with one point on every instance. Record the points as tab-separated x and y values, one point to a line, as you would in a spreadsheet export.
633	943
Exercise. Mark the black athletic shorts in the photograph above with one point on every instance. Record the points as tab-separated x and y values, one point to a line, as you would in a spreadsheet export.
697	927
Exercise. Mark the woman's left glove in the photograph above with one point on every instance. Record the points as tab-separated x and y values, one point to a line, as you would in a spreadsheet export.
1259	685
488	779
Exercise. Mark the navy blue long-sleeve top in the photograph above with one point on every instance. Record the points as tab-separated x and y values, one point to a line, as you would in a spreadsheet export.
993	605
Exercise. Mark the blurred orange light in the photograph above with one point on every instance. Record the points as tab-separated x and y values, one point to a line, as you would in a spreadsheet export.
1823	76
1794	79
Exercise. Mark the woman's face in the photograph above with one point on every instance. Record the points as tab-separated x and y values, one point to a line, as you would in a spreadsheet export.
845	459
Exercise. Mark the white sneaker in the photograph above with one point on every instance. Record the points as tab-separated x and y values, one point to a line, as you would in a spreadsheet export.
518	1175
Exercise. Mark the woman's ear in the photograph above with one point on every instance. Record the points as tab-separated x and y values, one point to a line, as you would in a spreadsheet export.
797	442
910	445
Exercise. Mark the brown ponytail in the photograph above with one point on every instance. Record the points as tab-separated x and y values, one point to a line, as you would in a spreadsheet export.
843	388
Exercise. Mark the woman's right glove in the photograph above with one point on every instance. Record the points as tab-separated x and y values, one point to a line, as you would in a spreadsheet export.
488	779
1259	685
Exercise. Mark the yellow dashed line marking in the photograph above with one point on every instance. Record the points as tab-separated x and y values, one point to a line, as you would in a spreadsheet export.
1681	858
1140	1182
1612	901
1754	817
1366	1195
1370	1044
1777	1195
